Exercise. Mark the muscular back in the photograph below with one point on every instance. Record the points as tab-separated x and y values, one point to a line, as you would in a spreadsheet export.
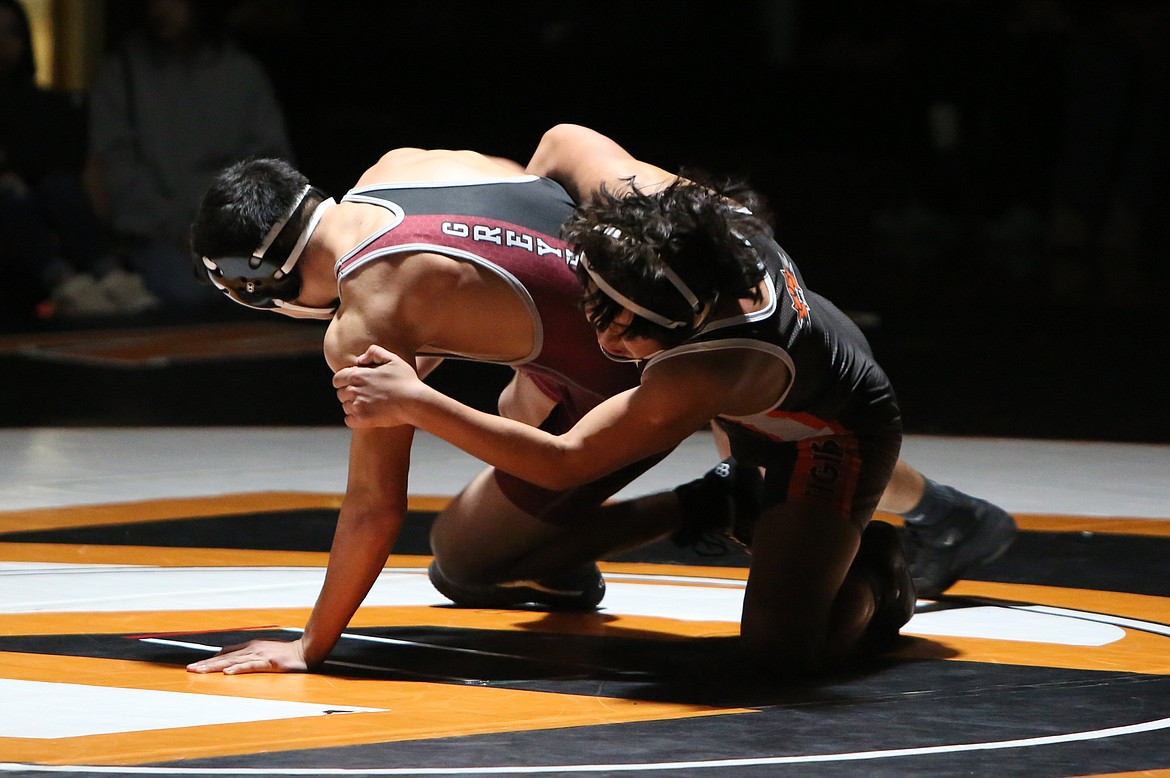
407	285
427	303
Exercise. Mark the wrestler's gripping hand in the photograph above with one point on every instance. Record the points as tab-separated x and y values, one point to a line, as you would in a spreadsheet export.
255	656
373	392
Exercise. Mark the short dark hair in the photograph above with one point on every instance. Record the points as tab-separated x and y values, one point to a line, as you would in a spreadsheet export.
242	204
698	230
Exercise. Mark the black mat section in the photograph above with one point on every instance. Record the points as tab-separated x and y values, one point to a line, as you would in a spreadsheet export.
1105	561
888	705
635	667
1108	562
1019	703
312	529
779	732
292	530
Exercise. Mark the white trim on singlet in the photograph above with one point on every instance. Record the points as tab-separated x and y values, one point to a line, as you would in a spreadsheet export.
399	217
733	343
393	208
746	318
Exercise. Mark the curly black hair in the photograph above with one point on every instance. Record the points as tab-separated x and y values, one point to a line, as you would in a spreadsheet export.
700	230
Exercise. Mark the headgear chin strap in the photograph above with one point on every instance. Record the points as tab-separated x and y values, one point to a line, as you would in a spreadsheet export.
264	280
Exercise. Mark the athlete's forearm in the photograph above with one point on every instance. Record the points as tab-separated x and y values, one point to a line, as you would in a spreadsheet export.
367	526
583	161
361	546
513	446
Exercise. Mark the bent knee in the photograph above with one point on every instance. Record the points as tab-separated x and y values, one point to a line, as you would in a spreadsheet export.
482	537
457	553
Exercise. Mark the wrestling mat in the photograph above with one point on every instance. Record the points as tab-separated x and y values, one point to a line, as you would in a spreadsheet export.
1056	662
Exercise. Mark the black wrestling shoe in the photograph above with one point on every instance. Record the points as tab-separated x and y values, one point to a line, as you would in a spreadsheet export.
882	558
973	533
724	502
580	590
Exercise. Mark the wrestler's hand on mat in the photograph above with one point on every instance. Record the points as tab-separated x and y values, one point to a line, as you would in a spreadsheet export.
255	656
373	392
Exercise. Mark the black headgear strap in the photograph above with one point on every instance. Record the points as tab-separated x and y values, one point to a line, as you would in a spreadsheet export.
264	280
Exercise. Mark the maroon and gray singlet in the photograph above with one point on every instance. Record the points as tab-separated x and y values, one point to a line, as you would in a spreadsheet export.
511	226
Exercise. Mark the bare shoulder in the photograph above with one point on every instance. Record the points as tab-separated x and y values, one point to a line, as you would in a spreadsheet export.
583	160
361	322
373	310
412	164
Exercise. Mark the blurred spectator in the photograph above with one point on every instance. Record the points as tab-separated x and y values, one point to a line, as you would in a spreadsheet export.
173	104
51	244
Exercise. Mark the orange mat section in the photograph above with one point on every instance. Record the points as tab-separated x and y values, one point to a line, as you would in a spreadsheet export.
414	711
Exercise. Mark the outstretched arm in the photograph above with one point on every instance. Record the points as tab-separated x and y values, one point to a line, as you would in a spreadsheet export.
371	516
582	160
367	527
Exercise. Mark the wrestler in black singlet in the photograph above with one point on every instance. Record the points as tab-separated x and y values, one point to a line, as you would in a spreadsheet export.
835	434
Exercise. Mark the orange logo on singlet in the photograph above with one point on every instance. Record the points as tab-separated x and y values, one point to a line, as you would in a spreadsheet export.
795	294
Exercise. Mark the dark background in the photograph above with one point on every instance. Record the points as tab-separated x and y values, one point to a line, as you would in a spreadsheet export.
984	184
